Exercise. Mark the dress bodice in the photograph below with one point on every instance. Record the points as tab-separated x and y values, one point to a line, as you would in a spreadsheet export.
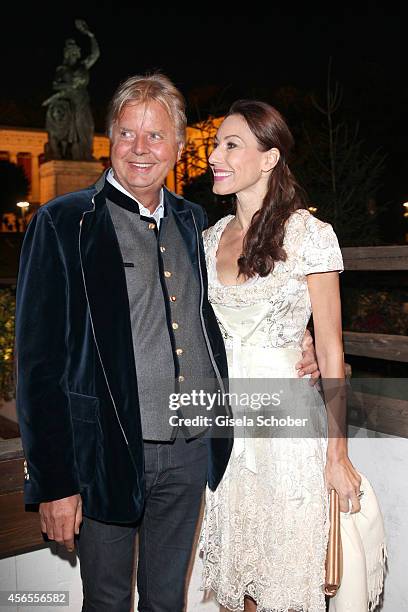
273	311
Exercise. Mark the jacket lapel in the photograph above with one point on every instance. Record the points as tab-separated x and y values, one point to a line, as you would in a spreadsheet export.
185	224
105	285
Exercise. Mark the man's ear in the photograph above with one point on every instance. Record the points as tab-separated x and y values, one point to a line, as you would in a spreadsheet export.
271	159
180	151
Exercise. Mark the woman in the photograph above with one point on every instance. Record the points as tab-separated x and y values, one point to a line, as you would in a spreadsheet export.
270	265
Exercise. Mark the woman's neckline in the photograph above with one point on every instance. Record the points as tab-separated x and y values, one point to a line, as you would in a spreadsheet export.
223	226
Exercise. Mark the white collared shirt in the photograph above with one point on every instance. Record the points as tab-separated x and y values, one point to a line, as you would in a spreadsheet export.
157	215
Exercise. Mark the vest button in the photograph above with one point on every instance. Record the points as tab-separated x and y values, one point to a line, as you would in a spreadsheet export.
152	226
173	298
181	378
174	325
179	351
162	249
167	274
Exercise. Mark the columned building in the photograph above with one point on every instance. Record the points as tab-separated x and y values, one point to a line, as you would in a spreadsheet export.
25	147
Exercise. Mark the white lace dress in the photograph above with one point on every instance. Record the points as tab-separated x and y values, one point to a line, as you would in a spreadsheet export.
265	527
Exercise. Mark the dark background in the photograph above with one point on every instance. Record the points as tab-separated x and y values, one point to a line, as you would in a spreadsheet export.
280	57
215	59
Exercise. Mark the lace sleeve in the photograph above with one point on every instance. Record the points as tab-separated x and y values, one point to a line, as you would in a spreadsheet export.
320	250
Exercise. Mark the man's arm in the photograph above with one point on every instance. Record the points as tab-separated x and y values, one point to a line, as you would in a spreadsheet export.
41	354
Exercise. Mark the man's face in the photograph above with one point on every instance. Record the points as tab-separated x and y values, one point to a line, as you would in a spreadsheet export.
143	149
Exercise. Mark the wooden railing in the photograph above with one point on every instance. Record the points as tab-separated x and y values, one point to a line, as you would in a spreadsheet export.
377	346
380	413
376	258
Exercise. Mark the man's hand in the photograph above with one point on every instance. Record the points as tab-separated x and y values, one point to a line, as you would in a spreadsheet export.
308	363
61	519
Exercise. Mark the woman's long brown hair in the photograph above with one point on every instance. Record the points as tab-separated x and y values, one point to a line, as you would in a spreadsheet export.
264	238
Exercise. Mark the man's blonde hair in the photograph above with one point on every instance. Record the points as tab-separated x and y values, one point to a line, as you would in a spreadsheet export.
144	88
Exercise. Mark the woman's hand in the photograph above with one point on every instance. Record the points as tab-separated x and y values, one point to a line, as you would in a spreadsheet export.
343	477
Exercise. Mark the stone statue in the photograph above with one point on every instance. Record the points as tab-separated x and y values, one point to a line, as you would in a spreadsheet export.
69	120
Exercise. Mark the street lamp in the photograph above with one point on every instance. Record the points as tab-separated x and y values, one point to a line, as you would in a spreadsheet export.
23	207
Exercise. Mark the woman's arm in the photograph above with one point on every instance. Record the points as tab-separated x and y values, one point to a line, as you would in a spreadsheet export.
325	298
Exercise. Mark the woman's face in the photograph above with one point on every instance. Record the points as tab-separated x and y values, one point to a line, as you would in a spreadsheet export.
237	163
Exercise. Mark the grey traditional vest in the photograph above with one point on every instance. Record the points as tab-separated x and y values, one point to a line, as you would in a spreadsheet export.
170	351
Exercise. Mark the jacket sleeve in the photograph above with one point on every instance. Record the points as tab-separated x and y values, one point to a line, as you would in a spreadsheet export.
42	359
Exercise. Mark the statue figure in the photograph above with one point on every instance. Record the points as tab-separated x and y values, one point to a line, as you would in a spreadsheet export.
69	120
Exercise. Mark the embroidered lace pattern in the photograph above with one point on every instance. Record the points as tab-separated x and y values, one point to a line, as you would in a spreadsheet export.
311	246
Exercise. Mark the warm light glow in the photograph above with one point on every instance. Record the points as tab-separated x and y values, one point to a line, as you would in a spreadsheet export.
405	204
312	209
23	204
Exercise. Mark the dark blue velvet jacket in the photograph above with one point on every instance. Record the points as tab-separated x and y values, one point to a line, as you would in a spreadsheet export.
77	396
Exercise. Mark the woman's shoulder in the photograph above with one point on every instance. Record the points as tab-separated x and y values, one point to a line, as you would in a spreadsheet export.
304	218
303	223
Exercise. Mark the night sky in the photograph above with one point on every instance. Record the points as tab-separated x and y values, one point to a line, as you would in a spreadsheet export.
216	59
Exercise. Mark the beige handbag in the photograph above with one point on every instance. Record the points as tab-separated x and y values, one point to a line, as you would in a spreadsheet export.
334	557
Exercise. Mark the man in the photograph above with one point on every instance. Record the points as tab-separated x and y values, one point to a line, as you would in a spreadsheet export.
112	306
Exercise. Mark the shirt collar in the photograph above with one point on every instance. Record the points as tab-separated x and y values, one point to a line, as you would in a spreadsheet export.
157	214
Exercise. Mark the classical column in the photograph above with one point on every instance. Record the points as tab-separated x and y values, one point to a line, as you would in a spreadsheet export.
35	178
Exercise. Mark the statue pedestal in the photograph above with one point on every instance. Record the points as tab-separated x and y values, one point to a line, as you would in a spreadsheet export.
61	176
